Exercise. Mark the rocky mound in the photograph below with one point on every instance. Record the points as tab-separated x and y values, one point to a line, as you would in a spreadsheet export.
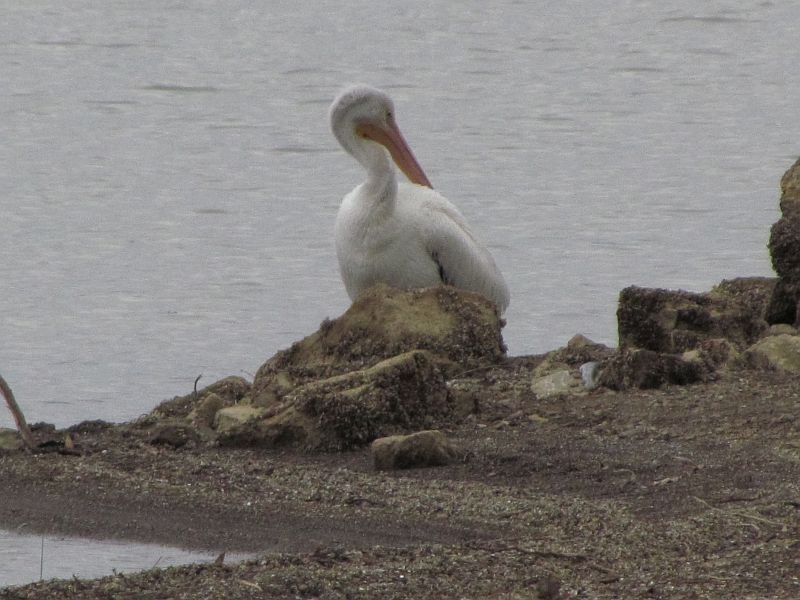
378	370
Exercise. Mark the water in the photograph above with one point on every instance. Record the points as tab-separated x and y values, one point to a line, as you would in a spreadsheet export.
169	183
25	557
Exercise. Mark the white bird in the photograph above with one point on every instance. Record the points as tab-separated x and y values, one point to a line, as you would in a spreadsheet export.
404	235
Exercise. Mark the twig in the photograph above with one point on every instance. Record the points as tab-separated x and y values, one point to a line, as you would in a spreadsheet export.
742	514
22	425
195	385
255	586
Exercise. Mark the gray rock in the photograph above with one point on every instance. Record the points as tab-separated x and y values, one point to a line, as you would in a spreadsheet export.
590	374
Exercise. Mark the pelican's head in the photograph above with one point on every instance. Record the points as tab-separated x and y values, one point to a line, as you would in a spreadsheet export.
361	118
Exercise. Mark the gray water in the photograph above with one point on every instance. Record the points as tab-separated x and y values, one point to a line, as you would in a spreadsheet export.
168	183
27	558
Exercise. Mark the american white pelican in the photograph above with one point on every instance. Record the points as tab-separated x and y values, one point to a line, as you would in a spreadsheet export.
404	235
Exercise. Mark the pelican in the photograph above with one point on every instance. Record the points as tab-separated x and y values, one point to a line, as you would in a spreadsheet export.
405	235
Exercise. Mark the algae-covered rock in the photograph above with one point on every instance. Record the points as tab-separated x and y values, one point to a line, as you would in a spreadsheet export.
455	326
10	439
422	449
790	191
784	250
780	352
668	321
402	393
784	247
579	350
645	369
205	410
173	432
231	417
229	390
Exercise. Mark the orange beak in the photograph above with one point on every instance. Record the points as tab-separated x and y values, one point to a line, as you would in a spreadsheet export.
390	138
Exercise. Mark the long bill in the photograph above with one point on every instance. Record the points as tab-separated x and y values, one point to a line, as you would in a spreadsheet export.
390	138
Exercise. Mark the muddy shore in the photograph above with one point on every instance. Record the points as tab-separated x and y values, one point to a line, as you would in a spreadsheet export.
680	492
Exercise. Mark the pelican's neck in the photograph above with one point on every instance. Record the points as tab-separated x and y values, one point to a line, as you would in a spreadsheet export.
381	184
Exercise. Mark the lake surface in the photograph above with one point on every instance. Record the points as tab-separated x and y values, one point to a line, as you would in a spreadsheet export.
169	183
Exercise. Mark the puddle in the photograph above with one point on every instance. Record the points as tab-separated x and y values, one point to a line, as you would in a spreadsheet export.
22	559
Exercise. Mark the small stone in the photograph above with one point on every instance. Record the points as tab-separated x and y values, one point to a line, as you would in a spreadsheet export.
422	449
555	384
537	419
590	374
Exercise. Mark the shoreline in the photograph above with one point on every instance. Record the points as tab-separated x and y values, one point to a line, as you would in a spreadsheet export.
609	493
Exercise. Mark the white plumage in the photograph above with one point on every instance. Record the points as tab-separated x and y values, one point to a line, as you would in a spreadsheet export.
405	235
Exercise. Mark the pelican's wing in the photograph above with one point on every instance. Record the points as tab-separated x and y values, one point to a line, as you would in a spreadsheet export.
463	261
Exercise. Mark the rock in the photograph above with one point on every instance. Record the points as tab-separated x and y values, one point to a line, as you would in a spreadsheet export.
782	329
784	247
230	389
399	394
230	417
457	328
790	191
784	306
559	373
174	433
779	352
10	439
712	355
639	368
557	383
202	415
784	250
579	350
590	374
667	321
421	449
290	427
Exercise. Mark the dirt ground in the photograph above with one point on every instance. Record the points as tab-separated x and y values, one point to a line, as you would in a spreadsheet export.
682	492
